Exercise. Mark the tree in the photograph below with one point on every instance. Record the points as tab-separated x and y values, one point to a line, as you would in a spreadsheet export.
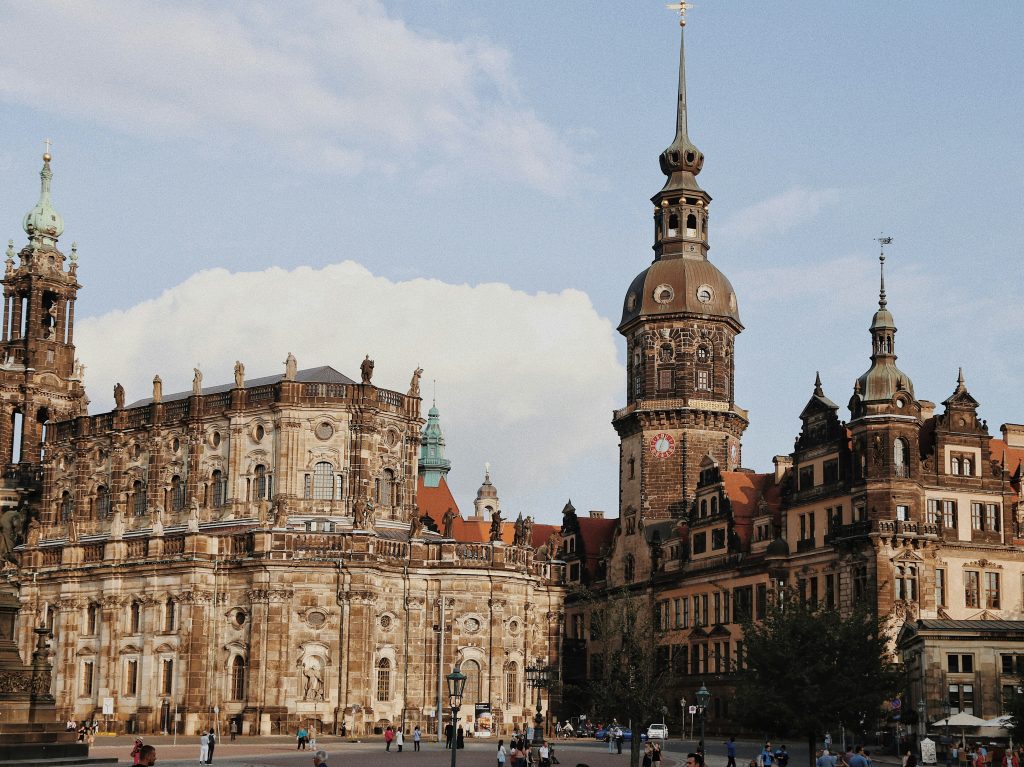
626	682
806	668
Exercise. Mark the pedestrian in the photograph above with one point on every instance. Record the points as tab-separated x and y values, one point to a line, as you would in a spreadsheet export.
449	734
344	730
730	751
766	757
204	746
782	756
136	749
501	753
416	736
647	760
857	759
460	738
609	735
320	758
300	739
655	755
212	742
234	728
389	735
545	754
147	756
619	737
909	760
399	739
311	739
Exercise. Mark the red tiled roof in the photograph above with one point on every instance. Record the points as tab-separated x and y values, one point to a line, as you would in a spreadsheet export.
596	534
1010	457
744	491
435	501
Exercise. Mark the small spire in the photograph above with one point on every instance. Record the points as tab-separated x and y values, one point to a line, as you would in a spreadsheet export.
487	472
882	242
960	386
818	391
43	224
681	161
74	252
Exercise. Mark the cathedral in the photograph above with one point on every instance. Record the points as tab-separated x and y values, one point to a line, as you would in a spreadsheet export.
284	550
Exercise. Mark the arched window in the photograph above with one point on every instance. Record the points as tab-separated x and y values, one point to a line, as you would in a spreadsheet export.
135	617
386	488
703	507
323	481
472	671
238	678
900	454
954	465
102	502
138	498
177	493
220	488
67	506
92	619
673	225
968	468
691	225
714	505
511	683
384	680
262	481
628	569
170	615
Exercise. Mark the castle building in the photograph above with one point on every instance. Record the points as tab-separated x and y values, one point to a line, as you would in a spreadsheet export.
254	551
914	512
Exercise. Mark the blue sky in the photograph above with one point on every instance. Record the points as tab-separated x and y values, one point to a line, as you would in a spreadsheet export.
466	186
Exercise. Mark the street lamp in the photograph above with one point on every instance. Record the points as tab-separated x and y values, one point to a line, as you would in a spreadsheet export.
456	686
682	705
539	677
703	698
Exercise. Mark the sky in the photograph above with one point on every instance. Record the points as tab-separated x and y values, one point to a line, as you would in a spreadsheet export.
465	186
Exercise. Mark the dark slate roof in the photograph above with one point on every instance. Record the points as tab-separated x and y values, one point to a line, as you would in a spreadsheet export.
933	624
322	374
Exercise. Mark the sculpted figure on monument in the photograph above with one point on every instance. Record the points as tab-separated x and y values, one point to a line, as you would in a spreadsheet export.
197	381
496	525
119	396
414	384
448	520
291	367
239	375
158	389
314	687
366	369
11	524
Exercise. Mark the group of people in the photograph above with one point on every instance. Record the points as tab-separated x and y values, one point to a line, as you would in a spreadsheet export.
615	737
454	738
305	738
855	756
976	755
207	740
518	754
143	754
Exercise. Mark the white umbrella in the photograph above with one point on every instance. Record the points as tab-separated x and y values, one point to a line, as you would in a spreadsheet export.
961	720
1003	722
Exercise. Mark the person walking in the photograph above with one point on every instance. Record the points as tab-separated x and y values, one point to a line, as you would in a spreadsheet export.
212	741
400	738
300	739
545	754
647	760
449	734
416	736
655	755
501	753
619	737
136	749
389	735
766	757
609	733
730	751
204	746
233	729
782	756
460	738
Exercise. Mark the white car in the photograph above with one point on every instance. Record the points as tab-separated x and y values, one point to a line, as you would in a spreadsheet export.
659	731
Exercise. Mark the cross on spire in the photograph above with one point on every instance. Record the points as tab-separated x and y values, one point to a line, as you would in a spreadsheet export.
47	142
681	8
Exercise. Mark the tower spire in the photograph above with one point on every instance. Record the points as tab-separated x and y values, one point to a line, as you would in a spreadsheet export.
681	161
43	224
882	242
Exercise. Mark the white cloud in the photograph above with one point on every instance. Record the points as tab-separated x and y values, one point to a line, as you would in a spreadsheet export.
344	85
778	214
525	381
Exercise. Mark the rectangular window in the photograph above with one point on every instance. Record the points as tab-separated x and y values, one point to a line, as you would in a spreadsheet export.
940	588
992	590
703	380
934	511
810	525
761	605
814	590
704	609
700	543
806	476
718	539
665	380
742	602
725	607
977	516
87	676
830	591
803	527
681	658
166	676
686	613
704	657
971	595
949	514
992	517
679	612
953	664
695	660
860	513
131	677
596	664
739	654
902	512
696	611
830	472
718	607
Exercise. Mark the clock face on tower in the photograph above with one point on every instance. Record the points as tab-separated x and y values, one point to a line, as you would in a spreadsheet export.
662	445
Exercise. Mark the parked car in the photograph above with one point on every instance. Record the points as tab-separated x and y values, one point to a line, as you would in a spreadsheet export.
657	731
627	734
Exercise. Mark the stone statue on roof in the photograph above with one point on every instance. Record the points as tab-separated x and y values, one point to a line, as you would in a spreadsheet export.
263	512
415	526
366	370
193	516
291	367
517	536
414	384
528	531
158	389
496	525
239	375
554	545
119	396
449	522
281	514
197	381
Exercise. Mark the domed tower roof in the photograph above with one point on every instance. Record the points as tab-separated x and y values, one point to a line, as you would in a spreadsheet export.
881	381
487	490
681	286
43	224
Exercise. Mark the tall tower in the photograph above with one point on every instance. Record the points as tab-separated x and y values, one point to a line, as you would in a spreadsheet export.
680	320
38	377
433	465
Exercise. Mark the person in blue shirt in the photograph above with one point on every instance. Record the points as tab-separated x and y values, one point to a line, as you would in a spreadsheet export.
730	751
858	759
782	756
766	757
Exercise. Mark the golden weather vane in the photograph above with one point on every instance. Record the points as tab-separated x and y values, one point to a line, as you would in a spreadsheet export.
681	8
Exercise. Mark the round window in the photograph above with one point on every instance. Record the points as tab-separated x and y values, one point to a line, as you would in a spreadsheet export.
316	618
385	622
238	618
175	445
663	294
259	432
215	439
324	430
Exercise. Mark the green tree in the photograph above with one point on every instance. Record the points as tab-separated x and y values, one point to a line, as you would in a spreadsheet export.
626	682
806	668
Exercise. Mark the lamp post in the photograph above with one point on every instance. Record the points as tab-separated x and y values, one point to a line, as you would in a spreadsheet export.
703	698
945	716
539	677
682	705
456	686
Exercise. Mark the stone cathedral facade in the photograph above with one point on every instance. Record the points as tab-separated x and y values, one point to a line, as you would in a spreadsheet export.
251	551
